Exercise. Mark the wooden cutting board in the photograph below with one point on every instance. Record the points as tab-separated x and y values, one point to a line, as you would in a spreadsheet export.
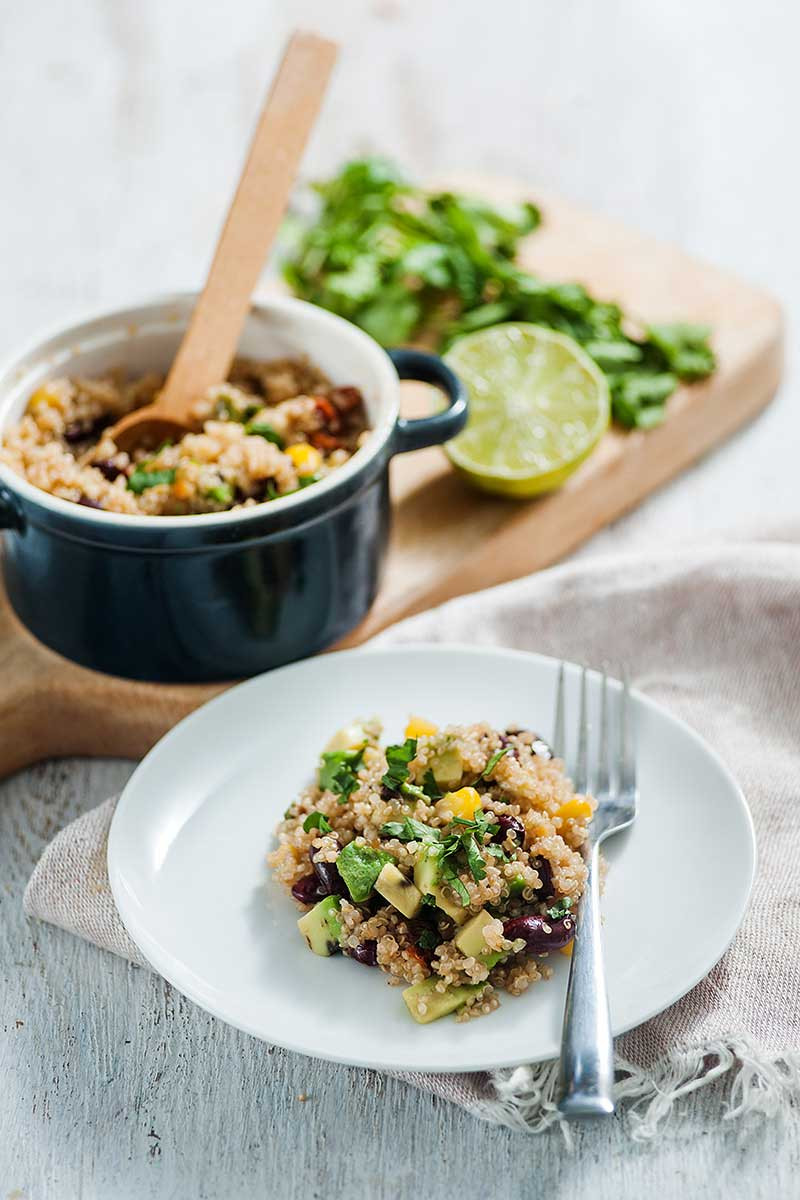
448	540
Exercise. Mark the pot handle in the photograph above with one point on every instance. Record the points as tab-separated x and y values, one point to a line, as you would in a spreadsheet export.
10	512
433	430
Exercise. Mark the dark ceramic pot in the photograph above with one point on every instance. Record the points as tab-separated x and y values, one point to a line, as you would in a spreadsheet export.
222	595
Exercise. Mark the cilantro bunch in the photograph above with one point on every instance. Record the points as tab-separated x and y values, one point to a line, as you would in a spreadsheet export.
407	265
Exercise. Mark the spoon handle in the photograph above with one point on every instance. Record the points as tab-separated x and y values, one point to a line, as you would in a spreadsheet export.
210	342
586	1075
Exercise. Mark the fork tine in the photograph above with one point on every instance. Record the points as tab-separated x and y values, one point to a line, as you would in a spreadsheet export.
582	759
627	760
602	782
557	744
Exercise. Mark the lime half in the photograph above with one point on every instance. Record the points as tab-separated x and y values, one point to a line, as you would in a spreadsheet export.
538	406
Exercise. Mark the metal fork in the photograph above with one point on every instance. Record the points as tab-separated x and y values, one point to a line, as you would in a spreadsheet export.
586	1075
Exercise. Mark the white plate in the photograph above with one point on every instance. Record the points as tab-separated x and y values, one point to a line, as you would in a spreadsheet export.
187	848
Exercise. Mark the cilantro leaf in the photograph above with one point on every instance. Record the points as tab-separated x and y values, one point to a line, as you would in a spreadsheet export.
397	760
450	874
262	429
474	859
428	940
141	479
317	820
410	830
337	772
494	760
402	263
430	787
560	909
359	867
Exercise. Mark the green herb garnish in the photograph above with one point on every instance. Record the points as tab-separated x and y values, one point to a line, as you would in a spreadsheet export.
493	761
410	830
262	429
428	940
317	820
401	262
396	777
142	479
337	772
305	481
359	867
430	787
451	875
474	859
560	908
221	492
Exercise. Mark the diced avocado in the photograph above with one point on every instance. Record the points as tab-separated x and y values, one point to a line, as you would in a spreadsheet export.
352	737
427	877
427	869
470	941
426	1004
399	891
322	927
447	768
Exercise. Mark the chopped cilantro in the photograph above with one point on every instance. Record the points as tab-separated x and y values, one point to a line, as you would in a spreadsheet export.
430	787
451	875
474	860
397	760
560	909
317	820
337	772
142	479
306	480
496	850
482	823
428	940
289	812
359	867
429	900
262	429
221	492
493	761
410	830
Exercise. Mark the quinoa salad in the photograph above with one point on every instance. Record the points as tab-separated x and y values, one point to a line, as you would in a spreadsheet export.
273	428
450	861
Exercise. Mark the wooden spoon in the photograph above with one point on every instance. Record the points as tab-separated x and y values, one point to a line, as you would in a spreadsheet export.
209	344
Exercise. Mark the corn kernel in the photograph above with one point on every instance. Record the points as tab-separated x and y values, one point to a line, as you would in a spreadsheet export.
576	808
307	459
463	803
567	950
418	727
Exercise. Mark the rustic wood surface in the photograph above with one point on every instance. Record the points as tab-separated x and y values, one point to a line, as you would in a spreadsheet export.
672	118
447	538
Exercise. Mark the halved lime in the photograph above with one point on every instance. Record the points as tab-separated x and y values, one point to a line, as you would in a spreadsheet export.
538	406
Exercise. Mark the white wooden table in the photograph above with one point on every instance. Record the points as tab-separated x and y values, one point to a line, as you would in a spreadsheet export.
123	127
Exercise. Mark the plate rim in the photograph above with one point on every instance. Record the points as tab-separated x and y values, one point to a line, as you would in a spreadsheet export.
156	954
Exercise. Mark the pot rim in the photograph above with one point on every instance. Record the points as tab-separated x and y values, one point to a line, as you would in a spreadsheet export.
380	434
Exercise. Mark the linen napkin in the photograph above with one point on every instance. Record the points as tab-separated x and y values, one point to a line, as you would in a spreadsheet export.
712	633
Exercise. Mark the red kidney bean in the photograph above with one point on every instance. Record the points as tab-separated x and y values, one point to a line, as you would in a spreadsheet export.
108	469
330	881
544	870
541	933
509	825
87	503
365	952
308	890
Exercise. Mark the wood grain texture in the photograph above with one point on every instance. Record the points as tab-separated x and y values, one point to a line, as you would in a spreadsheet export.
447	539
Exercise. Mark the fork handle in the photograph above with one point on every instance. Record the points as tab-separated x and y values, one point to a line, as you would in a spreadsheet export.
586	1076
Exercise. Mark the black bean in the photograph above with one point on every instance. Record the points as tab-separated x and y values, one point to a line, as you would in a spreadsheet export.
365	952
307	890
509	825
108	469
540	933
81	431
545	889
